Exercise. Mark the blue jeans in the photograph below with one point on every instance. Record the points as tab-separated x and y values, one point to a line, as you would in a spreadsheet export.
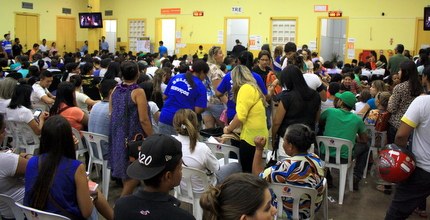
166	129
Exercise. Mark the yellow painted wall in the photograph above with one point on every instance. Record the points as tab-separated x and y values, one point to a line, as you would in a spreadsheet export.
48	11
366	25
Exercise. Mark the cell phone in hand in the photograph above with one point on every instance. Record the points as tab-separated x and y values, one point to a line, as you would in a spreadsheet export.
37	114
92	186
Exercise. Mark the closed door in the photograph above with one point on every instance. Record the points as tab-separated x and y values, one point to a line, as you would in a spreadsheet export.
423	37
27	30
66	34
332	38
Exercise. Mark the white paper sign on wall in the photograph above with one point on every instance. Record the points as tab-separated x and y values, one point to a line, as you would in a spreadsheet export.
237	9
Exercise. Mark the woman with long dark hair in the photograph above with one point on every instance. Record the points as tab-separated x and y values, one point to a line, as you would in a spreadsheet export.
65	105
298	104
403	94
19	109
55	181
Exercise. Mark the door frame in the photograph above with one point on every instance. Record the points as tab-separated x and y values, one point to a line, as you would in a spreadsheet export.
225	30
159	33
345	55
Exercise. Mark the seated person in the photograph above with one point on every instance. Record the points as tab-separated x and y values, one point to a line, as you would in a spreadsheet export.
301	169
41	98
240	196
19	109
197	154
11	175
65	105
342	123
160	167
99	119
56	182
82	100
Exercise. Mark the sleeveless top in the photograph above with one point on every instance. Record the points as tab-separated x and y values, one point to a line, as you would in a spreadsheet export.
62	190
122	125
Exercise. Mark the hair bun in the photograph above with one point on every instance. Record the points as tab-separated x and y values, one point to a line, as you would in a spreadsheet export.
209	200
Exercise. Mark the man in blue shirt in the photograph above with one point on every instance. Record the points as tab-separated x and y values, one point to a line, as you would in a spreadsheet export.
85	47
99	118
104	45
7	45
162	49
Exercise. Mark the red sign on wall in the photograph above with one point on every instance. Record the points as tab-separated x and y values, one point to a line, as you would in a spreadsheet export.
170	11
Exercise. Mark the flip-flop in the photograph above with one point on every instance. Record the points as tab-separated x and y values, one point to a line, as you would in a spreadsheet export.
382	188
421	213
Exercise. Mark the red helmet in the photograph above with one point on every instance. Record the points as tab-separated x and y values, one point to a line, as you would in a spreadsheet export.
395	163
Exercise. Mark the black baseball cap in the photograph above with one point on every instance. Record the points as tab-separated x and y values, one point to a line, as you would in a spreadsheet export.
157	151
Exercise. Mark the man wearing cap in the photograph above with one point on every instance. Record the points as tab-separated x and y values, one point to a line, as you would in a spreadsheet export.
237	49
160	167
342	123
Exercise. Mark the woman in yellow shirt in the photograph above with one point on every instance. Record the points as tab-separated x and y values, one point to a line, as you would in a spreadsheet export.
250	113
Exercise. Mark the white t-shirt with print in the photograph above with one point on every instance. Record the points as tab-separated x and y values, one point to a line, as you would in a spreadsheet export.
418	117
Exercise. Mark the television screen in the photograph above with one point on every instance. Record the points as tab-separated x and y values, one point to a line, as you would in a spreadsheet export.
427	18
91	20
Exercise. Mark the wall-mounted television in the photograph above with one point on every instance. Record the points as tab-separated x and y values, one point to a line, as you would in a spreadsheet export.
427	18
90	20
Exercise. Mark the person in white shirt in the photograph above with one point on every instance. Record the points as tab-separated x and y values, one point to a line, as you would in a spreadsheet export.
197	154
82	100
40	97
7	88
11	176
19	109
43	47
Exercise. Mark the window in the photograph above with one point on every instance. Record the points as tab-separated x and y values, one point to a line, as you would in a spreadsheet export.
283	31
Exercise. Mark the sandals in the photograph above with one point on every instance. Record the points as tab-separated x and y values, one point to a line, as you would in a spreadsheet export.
384	189
421	213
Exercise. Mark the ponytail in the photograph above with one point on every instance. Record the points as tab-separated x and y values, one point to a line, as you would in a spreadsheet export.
185	123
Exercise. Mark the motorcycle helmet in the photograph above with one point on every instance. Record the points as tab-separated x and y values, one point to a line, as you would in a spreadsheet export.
395	163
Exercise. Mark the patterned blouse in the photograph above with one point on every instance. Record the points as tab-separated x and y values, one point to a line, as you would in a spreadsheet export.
399	103
215	73
300	170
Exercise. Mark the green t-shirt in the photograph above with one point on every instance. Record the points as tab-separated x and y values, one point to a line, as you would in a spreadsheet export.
357	79
341	124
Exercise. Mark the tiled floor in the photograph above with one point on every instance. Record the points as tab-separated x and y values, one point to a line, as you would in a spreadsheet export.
365	204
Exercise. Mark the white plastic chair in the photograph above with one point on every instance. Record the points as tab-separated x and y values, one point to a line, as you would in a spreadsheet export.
17	212
23	136
35	214
345	169
377	140
294	192
224	150
190	196
81	148
97	158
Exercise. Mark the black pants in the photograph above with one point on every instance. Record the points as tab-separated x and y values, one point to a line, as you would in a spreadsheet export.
409	195
391	133
246	154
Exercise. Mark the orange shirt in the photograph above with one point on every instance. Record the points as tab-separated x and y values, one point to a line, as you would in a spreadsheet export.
74	116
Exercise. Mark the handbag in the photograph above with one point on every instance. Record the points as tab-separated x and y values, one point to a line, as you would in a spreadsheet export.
132	146
382	121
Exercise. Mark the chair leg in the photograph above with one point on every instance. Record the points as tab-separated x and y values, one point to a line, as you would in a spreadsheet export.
350	176
367	163
342	181
197	210
106	179
325	205
90	166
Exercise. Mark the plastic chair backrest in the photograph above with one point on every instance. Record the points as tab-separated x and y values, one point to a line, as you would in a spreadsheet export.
35	214
17	212
95	138
81	148
337	143
187	174
23	135
224	150
294	192
376	138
